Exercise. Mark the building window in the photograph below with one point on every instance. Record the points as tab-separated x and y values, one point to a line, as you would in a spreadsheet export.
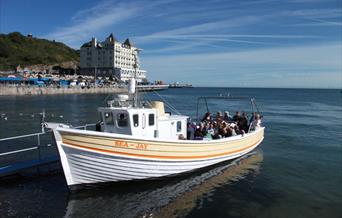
122	120
151	119
179	126
135	120
108	118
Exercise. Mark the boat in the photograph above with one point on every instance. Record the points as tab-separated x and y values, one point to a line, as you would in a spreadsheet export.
178	85
151	88
163	199
138	140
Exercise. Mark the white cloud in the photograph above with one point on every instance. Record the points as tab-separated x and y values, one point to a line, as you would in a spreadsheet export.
315	13
201	28
88	22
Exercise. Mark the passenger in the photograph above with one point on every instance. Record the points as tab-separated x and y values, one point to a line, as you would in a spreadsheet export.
191	131
256	122
198	134
252	117
218	116
208	137
222	132
227	117
229	132
237	130
203	129
207	117
233	131
181	137
224	124
210	129
215	126
237	116
243	122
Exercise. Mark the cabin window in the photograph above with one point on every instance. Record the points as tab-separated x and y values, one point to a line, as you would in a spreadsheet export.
108	118
179	126
122	120
135	120
151	119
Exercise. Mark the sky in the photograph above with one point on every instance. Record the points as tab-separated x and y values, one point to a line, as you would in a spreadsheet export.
218	43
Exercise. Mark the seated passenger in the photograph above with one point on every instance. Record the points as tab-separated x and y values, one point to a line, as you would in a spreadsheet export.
243	122
191	127
198	134
211	129
252	117
203	128
237	130
256	123
227	117
207	117
233	131
222	132
181	137
237	116
229	132
208	136
218	116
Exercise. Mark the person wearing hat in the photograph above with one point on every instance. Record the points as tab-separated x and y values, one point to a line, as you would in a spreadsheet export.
227	117
218	117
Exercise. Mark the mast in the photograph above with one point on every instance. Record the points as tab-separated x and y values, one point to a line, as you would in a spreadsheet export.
135	97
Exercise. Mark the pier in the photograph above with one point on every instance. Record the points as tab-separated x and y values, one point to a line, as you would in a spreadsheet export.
8	90
19	154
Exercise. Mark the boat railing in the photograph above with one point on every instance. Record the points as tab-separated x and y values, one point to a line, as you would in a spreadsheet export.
18	153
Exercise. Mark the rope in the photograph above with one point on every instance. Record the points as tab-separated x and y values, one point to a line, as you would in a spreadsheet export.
168	104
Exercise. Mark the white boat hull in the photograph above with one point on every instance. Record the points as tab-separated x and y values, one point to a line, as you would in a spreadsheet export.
86	158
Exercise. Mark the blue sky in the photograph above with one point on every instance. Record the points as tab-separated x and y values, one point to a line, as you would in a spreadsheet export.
259	43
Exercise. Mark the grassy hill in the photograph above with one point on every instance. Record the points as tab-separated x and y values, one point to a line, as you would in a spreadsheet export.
17	49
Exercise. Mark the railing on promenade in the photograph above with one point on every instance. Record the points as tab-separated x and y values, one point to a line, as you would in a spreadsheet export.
22	152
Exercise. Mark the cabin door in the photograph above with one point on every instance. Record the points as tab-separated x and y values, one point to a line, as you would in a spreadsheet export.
173	130
148	125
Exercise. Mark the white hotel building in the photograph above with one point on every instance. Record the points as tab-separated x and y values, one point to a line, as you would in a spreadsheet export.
111	57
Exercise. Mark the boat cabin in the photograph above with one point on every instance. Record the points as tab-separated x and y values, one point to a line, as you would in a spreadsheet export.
148	122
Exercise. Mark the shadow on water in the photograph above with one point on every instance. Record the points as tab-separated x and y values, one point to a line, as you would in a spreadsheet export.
171	197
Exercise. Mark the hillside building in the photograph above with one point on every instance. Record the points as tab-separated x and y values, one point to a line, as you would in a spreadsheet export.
111	58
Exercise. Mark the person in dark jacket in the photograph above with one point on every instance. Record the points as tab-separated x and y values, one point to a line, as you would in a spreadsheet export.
237	116
243	123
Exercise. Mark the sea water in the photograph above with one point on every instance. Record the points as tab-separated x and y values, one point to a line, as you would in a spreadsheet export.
295	172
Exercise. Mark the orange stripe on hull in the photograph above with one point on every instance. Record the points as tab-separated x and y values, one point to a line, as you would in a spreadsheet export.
164	157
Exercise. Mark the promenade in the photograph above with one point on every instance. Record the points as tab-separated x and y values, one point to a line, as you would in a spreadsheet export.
6	90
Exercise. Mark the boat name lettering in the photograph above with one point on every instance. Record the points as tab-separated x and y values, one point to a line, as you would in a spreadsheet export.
124	144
